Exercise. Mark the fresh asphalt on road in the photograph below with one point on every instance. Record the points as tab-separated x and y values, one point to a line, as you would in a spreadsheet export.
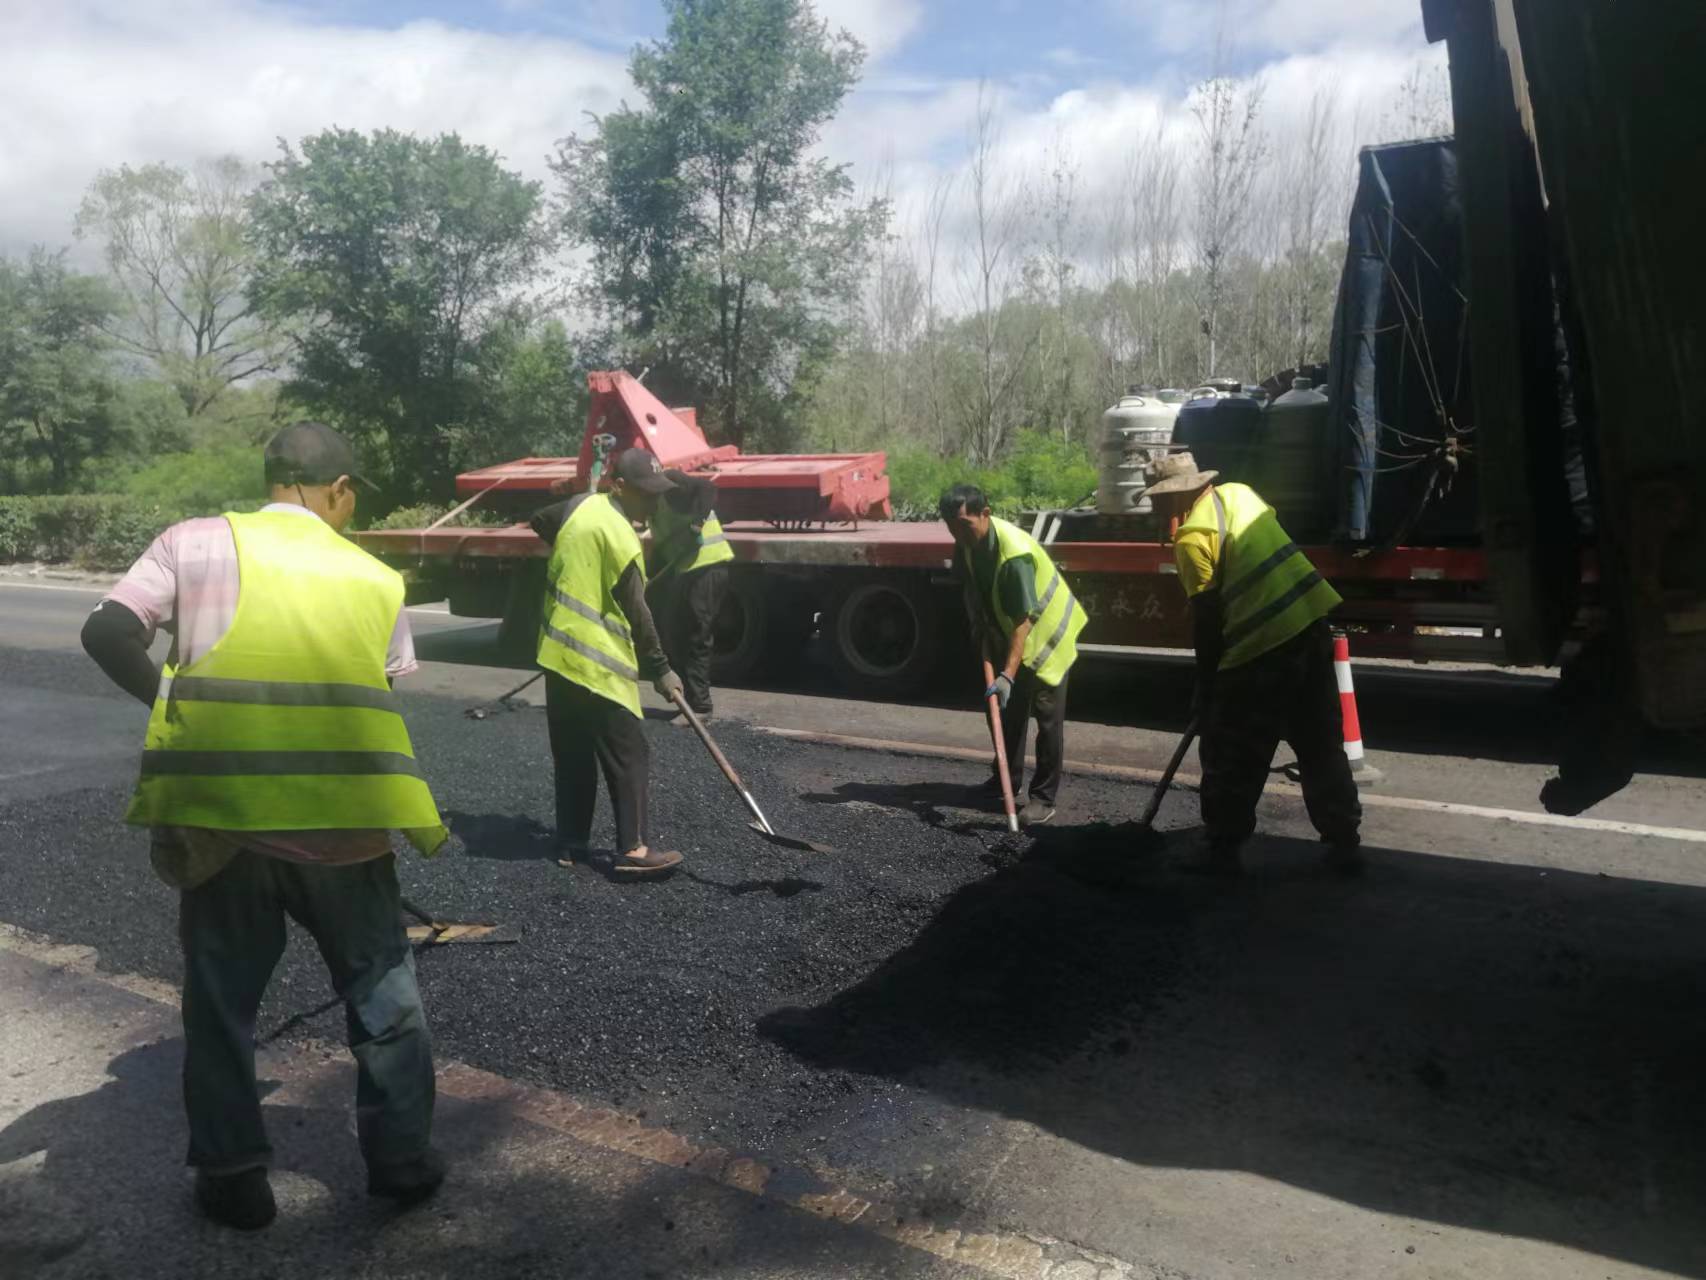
1480	1059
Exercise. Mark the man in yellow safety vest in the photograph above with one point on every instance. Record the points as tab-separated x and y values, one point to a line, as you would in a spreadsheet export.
1264	663
689	574
596	642
1027	621
275	765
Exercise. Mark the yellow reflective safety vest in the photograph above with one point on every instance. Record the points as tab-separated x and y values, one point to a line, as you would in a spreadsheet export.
1052	645
1269	591
288	723
585	636
681	552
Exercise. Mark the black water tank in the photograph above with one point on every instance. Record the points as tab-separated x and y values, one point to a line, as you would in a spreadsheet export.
1222	433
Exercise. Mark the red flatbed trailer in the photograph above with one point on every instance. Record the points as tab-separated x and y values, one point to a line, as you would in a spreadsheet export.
885	598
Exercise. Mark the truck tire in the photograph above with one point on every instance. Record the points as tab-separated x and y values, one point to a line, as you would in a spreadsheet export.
885	634
743	629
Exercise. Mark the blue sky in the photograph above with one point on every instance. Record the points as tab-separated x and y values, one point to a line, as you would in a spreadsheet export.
109	82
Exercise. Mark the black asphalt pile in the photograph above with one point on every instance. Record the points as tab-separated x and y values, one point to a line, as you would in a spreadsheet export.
736	1001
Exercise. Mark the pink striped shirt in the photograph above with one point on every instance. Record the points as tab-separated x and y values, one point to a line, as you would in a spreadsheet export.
187	583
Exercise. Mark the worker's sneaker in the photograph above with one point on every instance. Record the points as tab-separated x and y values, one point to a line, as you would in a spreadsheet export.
1035	813
408	1181
242	1200
651	862
1344	857
1214	858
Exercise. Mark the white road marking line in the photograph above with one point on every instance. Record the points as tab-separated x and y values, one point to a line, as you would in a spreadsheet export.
1193	781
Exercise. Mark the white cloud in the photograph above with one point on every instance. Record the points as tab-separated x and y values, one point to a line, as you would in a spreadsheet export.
98	83
881	25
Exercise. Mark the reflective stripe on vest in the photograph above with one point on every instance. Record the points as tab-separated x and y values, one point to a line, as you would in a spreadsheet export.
1051	647
584	637
288	723
1270	590
672	534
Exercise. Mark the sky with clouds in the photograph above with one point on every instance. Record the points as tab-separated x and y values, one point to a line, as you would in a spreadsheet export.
91	84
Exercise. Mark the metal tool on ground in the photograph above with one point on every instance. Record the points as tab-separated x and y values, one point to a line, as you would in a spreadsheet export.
1000	748
502	700
443	933
428	933
762	825
1146	824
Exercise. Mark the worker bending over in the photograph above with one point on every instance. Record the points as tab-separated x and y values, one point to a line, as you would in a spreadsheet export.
688	577
1264	663
1026	622
276	763
596	642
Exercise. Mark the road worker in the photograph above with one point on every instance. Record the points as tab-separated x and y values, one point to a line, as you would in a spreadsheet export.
689	574
596	643
275	765
1264	658
1026	621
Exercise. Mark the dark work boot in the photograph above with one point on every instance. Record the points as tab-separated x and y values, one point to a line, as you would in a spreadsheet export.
409	1181
1344	855
242	1200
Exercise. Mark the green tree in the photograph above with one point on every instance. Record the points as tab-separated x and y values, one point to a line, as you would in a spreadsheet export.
56	396
177	251
725	251
394	255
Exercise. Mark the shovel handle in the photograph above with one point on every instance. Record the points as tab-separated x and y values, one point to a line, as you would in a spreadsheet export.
722	761
1154	806
1000	748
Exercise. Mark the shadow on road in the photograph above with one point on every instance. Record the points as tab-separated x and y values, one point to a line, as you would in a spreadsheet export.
1490	1046
506	837
107	1195
1487	713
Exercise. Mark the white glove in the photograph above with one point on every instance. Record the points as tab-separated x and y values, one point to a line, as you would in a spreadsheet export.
1002	689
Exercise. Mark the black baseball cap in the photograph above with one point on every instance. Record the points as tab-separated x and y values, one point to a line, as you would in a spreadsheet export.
639	467
311	453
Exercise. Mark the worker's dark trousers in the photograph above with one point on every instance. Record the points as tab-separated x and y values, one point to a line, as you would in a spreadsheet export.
590	733
1290	693
232	930
686	612
1047	705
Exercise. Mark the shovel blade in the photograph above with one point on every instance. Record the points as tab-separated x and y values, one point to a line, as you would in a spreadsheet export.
445	935
790	842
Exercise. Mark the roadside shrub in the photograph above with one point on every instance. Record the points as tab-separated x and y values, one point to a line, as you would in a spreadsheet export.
1040	472
92	531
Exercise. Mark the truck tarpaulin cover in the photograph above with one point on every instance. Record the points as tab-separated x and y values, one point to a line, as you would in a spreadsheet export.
1400	388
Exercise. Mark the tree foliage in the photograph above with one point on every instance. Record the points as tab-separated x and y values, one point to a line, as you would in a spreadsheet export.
56	394
176	247
724	249
396	257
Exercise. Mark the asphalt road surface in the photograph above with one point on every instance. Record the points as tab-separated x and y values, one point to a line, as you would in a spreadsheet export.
1480	1059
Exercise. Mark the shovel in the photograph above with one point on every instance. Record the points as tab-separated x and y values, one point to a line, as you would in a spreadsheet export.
762	825
441	933
1146	824
1000	748
429	933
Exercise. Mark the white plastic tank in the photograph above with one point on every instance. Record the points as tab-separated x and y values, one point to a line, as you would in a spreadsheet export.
1136	431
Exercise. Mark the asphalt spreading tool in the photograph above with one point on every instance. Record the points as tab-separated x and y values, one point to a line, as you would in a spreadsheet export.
484	709
428	933
1000	749
442	933
1146	824
762	825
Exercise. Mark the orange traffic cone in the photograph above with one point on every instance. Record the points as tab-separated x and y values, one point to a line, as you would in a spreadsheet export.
1365	774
